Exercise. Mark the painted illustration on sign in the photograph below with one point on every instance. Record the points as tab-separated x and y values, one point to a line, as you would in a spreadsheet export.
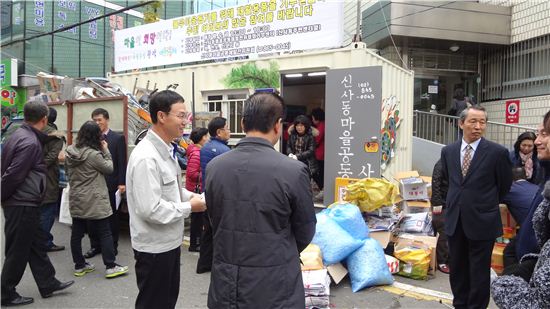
390	111
251	76
259	27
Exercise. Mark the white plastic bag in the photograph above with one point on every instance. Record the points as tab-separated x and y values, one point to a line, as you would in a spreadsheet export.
64	212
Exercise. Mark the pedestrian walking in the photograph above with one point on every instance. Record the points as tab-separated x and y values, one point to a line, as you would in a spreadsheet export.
87	162
158	204
479	174
23	188
261	207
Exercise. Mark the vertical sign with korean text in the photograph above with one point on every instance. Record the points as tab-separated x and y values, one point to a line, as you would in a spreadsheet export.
512	111
352	136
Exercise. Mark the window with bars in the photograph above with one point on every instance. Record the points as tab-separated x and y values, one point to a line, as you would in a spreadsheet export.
231	107
519	70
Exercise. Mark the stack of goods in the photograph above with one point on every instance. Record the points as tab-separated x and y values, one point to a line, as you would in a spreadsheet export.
386	218
417	223
316	288
509	227
415	204
315	277
342	235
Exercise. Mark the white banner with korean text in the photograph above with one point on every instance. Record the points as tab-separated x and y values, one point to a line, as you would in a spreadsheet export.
256	28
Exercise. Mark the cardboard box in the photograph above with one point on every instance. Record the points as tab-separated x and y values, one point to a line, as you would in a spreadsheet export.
497	258
337	272
413	207
430	241
411	186
383	237
340	187
506	217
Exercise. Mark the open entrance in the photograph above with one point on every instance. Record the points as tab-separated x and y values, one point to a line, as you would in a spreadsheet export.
303	92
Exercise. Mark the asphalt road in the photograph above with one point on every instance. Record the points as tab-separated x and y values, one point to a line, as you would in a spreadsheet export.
94	291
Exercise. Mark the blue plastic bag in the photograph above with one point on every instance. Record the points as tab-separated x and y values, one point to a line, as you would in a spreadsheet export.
335	243
367	266
349	217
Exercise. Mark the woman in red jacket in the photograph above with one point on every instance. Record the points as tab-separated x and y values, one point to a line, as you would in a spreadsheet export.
199	137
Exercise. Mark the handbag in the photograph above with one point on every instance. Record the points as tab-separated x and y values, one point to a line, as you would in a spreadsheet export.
64	212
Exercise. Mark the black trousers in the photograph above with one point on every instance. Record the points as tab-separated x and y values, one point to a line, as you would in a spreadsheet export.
442	250
158	279
204	264
114	223
470	263
319	177
195	230
25	243
102	230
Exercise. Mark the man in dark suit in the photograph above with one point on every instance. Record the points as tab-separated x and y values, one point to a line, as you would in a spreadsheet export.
479	175
115	181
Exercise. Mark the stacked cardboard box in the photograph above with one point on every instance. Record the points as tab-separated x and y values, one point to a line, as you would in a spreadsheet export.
509	228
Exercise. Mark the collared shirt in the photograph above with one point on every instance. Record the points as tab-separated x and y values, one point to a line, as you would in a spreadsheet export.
463	149
157	203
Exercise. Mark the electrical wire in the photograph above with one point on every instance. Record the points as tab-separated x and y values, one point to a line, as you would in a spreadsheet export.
391	37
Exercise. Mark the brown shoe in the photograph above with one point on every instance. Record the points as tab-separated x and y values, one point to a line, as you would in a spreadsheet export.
444	268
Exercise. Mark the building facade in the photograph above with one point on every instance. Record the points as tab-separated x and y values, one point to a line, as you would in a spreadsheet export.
496	50
82	51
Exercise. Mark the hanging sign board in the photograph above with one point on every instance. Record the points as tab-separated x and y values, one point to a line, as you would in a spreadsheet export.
259	27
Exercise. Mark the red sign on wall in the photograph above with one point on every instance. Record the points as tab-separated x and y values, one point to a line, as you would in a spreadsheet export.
512	111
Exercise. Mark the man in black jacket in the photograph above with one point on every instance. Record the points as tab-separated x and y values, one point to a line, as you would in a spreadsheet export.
479	174
115	181
439	193
23	188
262	215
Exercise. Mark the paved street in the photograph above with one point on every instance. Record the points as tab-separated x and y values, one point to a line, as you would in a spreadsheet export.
94	291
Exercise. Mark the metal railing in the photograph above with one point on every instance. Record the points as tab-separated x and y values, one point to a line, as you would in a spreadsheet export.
443	129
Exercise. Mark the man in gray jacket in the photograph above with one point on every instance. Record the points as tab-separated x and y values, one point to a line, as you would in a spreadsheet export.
158	204
262	216
23	186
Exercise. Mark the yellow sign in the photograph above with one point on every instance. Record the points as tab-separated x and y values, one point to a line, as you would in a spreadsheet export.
371	147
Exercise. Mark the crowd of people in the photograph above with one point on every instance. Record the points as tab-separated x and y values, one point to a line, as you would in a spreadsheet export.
251	207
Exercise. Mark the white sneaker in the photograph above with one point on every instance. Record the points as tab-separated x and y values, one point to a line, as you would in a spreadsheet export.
116	271
88	268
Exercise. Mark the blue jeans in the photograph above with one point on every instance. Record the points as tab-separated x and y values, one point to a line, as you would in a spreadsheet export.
47	218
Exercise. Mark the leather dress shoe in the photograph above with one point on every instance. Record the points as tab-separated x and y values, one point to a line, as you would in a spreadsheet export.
60	286
56	248
18	301
92	252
